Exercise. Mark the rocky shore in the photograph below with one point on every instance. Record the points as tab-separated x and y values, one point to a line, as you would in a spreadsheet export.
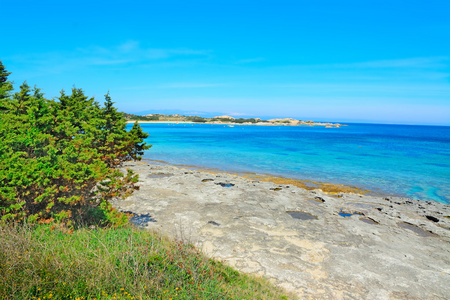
315	244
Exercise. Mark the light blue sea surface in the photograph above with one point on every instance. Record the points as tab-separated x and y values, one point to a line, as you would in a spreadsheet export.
411	161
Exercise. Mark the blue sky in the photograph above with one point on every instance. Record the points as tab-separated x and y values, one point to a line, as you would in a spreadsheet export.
356	61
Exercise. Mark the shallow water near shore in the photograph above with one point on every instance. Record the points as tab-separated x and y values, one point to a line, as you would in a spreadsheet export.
402	160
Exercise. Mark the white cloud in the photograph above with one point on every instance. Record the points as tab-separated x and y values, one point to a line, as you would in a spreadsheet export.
237	114
418	62
190	85
133	51
128	46
434	88
250	60
130	52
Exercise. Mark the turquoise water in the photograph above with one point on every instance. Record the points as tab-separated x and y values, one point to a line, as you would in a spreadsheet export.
411	161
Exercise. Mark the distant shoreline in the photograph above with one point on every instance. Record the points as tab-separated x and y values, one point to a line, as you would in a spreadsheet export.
330	125
223	120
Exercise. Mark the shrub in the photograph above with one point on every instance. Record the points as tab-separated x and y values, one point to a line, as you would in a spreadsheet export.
59	157
196	119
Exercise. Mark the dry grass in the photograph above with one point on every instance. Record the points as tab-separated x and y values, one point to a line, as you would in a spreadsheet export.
124	263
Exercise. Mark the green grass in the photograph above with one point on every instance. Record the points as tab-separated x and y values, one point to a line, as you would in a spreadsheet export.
123	263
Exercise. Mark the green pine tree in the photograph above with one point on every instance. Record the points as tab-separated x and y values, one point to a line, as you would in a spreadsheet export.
5	87
3	73
59	158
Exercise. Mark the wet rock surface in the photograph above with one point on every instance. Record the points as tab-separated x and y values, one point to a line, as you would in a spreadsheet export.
387	248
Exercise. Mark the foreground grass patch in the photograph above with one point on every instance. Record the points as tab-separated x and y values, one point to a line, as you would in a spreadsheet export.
123	263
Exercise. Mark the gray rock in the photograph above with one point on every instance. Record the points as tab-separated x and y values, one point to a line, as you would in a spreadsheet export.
370	254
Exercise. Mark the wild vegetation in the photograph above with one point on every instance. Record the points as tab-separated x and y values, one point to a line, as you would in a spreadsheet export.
59	236
59	157
121	263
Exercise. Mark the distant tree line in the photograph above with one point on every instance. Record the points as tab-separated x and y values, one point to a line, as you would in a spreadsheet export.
238	121
195	119
140	118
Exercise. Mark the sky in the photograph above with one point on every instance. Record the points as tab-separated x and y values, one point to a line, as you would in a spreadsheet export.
371	61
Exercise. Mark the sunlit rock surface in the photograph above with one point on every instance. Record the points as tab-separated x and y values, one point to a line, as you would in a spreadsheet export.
353	246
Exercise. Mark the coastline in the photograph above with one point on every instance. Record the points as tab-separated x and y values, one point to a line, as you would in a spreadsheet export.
328	125
307	184
375	158
328	187
315	244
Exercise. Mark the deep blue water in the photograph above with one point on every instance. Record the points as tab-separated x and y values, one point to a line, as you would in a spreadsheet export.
412	161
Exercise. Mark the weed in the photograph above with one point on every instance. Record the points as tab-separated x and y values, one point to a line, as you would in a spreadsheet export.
46	262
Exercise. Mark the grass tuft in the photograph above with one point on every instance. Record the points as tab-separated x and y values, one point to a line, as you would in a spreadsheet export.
45	262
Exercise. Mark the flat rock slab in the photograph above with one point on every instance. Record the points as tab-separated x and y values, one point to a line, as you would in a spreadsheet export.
350	247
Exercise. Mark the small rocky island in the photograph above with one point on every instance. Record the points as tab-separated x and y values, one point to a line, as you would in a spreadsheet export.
319	241
225	120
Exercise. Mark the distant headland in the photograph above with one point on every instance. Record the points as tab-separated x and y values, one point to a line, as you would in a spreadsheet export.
225	120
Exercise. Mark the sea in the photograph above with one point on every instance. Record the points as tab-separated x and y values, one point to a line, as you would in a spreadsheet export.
401	160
